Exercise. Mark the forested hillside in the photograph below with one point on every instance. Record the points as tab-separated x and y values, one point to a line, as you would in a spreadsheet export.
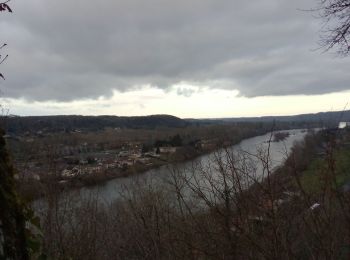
32	124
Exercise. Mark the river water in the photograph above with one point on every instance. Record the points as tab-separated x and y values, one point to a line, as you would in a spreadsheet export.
278	151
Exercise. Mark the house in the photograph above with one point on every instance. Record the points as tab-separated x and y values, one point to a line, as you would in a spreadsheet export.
94	169
343	125
144	160
67	173
167	149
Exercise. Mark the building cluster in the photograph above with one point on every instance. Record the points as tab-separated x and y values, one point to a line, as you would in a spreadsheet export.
69	158
98	162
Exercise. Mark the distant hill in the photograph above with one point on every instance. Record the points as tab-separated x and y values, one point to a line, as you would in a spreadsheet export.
327	119
32	124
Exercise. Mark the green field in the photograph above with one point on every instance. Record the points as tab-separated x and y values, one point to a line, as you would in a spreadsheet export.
319	171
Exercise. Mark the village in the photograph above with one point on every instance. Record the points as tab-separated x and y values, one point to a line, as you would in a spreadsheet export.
120	160
64	162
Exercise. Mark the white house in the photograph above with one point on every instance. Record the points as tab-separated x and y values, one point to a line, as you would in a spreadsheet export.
344	125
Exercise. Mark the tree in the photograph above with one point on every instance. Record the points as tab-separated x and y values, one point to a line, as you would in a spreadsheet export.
4	7
336	32
176	140
13	243
16	238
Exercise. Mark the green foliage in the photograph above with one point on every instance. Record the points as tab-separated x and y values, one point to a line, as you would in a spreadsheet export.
314	177
310	179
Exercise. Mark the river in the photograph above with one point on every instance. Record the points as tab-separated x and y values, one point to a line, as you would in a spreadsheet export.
278	151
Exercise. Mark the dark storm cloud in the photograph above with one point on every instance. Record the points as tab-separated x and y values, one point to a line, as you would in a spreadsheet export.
66	50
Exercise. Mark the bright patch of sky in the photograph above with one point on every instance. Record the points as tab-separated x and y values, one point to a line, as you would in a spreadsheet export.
202	103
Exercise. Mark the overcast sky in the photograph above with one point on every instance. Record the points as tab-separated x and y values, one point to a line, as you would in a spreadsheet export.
193	58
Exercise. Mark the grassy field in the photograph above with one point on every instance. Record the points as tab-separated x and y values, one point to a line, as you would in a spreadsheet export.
317	174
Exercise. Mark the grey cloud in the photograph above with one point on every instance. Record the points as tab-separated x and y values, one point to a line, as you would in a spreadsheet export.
66	50
185	92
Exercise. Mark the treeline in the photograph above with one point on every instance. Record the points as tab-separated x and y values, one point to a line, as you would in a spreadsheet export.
33	124
322	119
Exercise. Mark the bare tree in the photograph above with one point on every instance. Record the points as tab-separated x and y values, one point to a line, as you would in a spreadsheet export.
336	32
3	8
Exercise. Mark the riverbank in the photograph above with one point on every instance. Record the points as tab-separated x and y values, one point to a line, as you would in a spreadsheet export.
34	189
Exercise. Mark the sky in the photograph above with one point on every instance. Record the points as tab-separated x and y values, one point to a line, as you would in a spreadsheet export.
193	58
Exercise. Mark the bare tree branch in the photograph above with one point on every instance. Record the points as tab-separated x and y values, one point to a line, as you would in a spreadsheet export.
336	32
